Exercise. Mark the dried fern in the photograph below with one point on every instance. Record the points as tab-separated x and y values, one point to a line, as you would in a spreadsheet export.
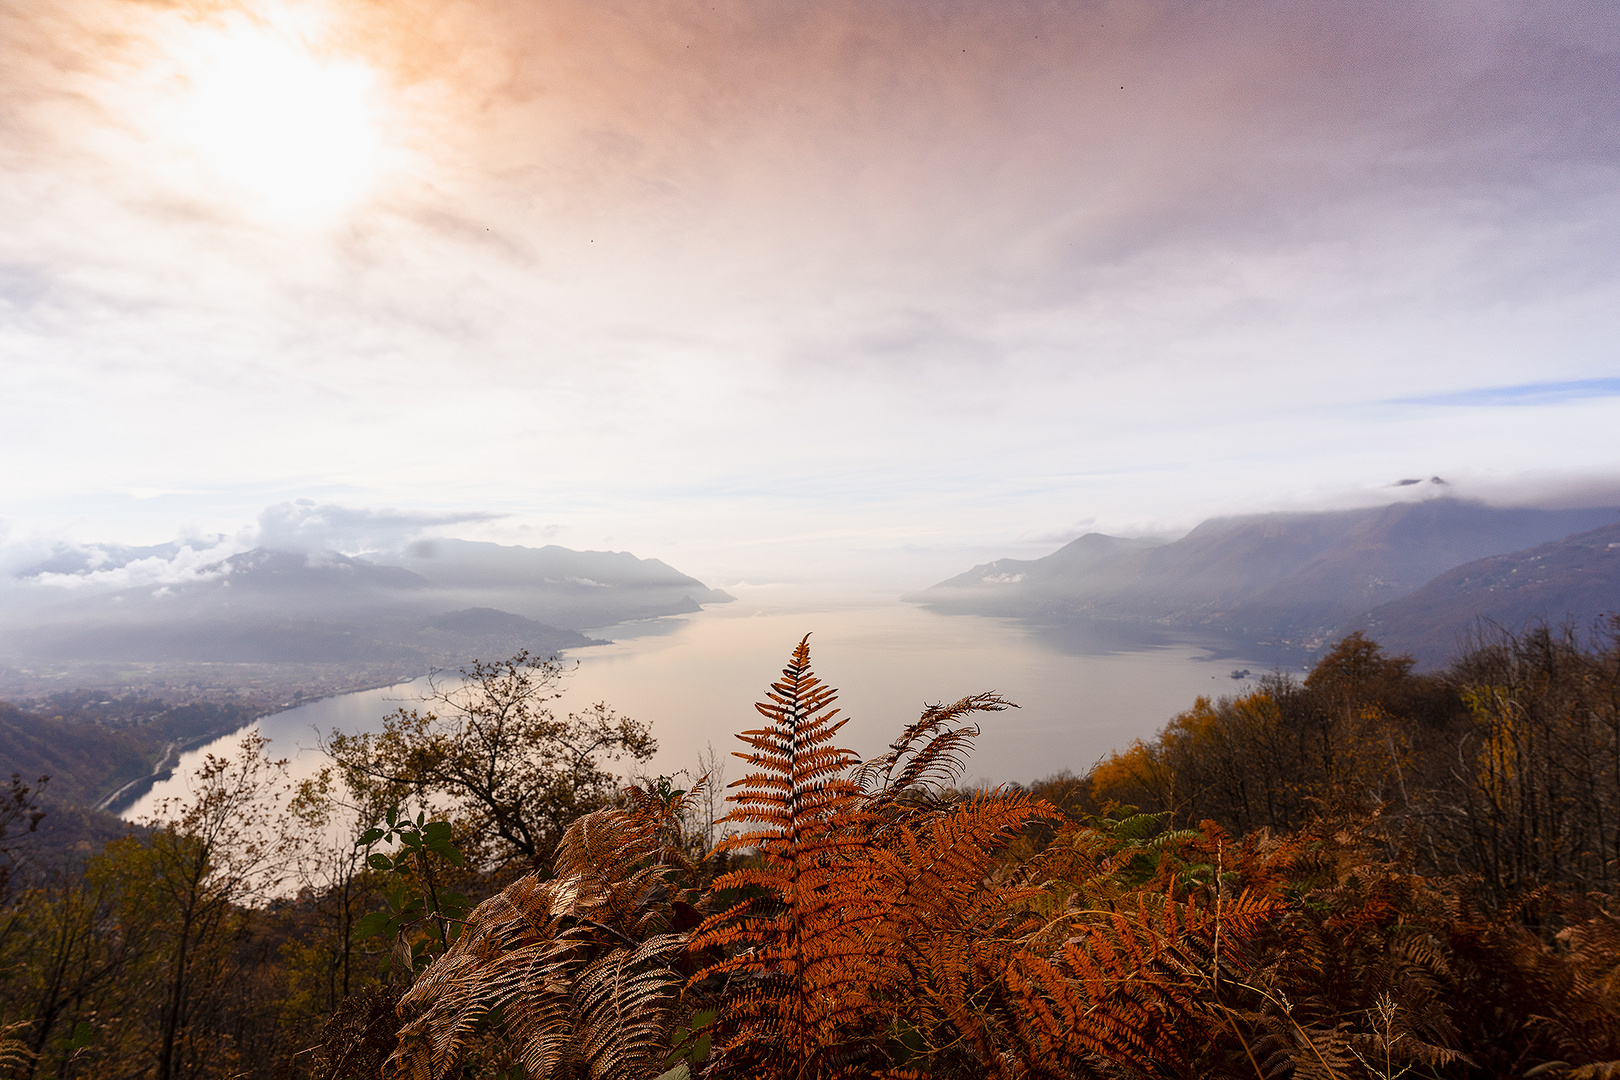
928	753
886	937
850	878
799	976
572	977
14	1053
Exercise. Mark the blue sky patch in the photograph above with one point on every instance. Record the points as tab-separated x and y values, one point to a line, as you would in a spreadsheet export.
1541	393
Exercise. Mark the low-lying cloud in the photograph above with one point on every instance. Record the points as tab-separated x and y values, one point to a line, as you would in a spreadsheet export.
108	566
305	525
302	525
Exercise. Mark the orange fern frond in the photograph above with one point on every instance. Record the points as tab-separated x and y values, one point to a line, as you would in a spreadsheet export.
853	894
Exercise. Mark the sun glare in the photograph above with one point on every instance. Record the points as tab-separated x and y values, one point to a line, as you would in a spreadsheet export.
271	122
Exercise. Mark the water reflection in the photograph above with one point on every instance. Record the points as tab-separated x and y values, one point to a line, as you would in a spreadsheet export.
294	734
1083	690
1078	636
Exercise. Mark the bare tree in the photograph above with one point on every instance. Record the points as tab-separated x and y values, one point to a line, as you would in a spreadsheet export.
227	845
330	870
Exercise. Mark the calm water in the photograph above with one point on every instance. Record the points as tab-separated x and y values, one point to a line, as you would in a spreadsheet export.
695	678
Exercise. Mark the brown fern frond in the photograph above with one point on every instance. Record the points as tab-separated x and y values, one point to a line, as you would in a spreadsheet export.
797	790
622	1002
513	958
1601	1070
14	1052
928	753
1319	1053
560	975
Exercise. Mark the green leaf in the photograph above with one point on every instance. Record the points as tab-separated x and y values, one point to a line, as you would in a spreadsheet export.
380	862
691	1040
83	1035
446	850
436	830
370	836
371	925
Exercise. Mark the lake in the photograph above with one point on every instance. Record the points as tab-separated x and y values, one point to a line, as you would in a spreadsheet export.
696	677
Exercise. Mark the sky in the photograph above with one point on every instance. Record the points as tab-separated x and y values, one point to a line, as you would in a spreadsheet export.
791	291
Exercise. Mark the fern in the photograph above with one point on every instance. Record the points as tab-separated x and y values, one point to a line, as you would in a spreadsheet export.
884	936
851	877
799	975
14	1052
929	753
573	977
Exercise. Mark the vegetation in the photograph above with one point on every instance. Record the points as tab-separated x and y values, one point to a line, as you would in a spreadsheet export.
515	772
92	748
1370	873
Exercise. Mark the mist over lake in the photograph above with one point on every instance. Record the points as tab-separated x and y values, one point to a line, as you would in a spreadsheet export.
696	677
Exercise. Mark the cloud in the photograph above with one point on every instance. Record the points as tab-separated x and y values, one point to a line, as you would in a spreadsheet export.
304	525
116	566
1047	261
299	525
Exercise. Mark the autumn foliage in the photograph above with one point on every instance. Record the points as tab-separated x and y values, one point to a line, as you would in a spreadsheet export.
1369	873
868	918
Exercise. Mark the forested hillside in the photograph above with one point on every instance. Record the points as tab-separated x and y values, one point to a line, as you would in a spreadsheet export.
92	747
1288	582
1372	872
1575	579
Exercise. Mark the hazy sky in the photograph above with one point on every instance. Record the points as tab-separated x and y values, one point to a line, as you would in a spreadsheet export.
772	289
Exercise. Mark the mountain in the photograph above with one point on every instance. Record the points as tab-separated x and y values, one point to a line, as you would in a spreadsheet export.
1281	581
436	604
1575	579
573	589
325	575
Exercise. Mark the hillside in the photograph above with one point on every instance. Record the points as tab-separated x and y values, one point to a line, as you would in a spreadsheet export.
1284	581
575	590
93	748
1575	579
438	604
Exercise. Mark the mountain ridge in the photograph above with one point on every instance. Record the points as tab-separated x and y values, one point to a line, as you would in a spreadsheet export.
1286	581
281	606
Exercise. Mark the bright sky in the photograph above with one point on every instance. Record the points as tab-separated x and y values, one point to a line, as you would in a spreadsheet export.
777	290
